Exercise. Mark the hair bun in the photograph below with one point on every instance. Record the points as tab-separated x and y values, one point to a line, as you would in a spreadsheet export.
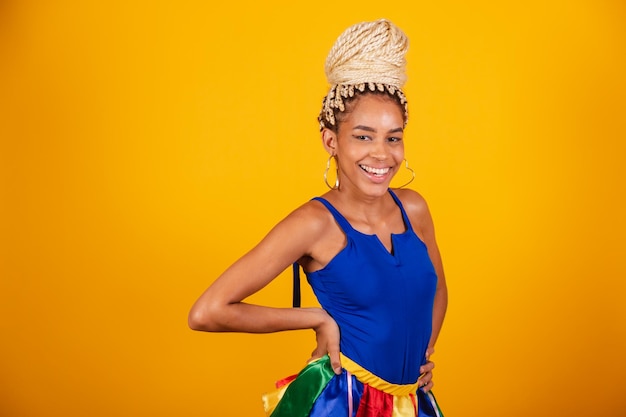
368	52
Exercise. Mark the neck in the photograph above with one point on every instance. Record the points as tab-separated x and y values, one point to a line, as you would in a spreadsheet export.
360	205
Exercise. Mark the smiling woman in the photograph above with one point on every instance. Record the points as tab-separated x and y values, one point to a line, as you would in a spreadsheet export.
369	253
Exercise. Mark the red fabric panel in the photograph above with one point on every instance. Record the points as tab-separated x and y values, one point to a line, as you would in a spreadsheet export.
375	403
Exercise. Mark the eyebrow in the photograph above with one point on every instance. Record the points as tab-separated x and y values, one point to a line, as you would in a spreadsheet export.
371	129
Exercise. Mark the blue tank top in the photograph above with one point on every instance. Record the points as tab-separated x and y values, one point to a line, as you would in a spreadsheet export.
381	301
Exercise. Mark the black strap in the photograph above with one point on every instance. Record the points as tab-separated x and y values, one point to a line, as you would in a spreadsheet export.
296	284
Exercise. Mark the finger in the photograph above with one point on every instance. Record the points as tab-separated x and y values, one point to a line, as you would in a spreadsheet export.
429	352
428	386
427	367
335	361
314	356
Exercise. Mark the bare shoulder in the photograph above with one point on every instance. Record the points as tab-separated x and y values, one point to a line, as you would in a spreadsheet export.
305	225
413	202
311	216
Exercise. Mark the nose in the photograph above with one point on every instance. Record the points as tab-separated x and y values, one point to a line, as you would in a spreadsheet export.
379	150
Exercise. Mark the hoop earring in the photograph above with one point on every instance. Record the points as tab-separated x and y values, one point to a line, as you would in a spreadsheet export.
406	165
326	174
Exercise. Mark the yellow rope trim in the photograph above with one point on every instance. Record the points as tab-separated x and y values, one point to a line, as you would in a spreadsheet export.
374	381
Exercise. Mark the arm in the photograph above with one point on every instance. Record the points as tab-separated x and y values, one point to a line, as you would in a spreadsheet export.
441	295
221	308
439	311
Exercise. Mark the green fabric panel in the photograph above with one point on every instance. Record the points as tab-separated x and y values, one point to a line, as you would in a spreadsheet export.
304	390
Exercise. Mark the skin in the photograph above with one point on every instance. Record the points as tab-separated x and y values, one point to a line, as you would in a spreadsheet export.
370	137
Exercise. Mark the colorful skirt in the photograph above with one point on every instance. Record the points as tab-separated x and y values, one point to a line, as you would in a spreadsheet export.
318	392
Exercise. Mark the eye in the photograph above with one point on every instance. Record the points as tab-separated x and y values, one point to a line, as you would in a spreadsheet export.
361	137
394	139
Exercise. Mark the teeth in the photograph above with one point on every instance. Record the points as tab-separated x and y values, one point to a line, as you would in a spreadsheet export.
375	171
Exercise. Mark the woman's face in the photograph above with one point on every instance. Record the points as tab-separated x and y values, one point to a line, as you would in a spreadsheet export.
369	144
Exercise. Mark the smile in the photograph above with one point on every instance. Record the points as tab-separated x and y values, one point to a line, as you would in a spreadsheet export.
375	171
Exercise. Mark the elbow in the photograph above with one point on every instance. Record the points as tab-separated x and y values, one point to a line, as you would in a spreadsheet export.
195	319
201	318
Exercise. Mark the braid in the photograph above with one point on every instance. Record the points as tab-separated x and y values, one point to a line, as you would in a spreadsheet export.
368	57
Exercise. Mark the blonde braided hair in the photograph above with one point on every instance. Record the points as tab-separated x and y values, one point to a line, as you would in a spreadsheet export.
366	57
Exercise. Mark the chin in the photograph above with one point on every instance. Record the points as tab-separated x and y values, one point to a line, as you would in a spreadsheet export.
376	190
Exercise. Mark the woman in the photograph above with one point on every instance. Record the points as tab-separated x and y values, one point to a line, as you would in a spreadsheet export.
369	253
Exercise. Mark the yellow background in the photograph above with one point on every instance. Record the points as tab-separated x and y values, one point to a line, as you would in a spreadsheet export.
147	144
